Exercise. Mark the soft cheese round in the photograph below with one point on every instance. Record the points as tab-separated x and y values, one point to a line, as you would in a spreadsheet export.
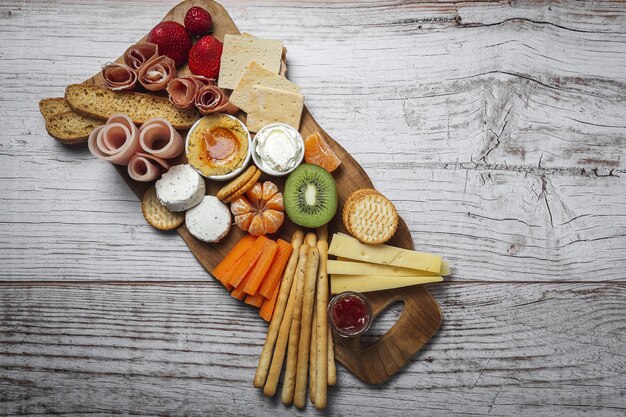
209	221
180	188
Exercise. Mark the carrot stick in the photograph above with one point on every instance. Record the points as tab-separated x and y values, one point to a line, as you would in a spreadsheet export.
260	269
238	291
239	271
267	310
235	253
255	300
279	313
275	273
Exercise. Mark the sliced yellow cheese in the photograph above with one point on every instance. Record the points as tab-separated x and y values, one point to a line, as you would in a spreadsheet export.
348	247
349	267
367	283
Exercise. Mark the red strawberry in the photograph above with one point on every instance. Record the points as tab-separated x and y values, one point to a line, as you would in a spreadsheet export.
204	58
173	41
198	21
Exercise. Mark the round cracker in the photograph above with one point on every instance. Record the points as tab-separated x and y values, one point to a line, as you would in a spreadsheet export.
349	202
159	216
245	188
371	218
232	187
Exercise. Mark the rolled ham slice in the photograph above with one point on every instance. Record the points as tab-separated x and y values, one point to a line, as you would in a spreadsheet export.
157	137
140	53
212	99
119	77
145	168
116	141
182	90
155	74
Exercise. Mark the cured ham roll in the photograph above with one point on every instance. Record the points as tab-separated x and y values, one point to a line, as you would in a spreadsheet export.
155	74
145	168
117	141
212	99
159	138
182	90
119	77
140	53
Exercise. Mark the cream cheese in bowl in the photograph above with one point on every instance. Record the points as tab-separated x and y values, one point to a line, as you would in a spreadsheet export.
277	149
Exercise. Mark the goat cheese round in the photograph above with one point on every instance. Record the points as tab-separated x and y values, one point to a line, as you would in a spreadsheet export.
209	221
180	188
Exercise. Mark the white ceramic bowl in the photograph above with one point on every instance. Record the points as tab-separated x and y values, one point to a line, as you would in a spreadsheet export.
237	171
259	162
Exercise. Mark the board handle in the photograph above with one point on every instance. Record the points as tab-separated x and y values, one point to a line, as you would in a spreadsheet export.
375	363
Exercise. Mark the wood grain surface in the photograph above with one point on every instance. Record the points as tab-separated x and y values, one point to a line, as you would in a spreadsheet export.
496	127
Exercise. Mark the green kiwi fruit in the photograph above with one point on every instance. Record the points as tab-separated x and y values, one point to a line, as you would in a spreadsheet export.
310	196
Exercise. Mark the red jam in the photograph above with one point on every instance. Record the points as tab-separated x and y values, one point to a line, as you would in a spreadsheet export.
350	314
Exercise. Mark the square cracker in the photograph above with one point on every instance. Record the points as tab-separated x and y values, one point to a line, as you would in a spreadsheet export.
243	95
270	105
239	51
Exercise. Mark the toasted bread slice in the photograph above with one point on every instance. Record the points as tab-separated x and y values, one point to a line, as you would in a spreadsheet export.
52	106
101	102
71	127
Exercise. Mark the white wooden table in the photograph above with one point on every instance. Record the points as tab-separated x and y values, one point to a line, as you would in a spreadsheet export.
498	129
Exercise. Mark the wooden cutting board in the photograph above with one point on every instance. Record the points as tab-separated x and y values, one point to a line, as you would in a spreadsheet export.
421	316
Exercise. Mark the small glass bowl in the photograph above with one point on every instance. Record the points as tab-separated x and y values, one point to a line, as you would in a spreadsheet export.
258	161
347	332
238	170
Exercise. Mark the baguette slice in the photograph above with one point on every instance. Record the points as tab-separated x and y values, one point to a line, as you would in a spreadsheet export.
52	106
71	127
101	102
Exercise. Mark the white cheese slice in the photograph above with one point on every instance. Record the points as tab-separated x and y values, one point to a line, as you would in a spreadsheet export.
180	188
362	268
209	221
367	283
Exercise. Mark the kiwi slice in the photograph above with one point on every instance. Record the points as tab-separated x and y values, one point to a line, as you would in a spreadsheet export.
310	196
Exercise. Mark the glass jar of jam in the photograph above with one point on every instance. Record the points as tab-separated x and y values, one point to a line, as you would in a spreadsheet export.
349	314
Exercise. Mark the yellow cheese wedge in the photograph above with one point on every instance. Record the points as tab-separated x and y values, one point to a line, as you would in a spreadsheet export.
367	283
348	247
349	267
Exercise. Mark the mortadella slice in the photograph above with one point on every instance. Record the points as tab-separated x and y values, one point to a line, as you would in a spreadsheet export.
155	74
182	90
119	77
159	138
212	99
145	168
116	141
140	53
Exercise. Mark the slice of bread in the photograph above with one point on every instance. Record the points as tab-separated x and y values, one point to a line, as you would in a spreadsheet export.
53	106
101	102
71	127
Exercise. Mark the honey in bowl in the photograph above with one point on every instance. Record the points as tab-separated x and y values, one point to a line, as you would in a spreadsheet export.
217	145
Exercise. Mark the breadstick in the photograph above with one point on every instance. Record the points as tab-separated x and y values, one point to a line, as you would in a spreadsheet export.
283	335
304	344
332	369
321	384
313	355
283	294
289	382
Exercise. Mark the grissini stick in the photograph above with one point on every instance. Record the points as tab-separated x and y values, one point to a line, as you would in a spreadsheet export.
313	355
321	383
283	333
279	311
304	344
332	370
289	382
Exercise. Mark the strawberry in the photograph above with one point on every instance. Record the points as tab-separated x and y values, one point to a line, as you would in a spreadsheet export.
173	41
198	21
204	58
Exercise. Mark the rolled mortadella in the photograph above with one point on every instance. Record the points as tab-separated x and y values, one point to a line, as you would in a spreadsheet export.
117	141
159	138
145	168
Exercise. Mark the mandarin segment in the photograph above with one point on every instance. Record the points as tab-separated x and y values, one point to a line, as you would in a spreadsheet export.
318	152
